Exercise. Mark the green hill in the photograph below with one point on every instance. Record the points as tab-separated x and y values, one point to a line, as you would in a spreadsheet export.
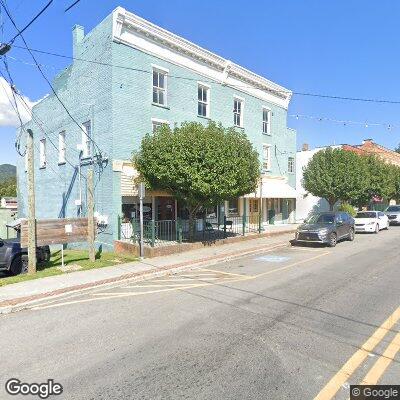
7	171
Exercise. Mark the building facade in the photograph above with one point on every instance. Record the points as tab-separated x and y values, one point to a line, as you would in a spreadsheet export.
306	202
127	78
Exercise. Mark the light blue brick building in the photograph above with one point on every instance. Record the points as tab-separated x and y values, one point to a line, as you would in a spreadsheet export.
129	76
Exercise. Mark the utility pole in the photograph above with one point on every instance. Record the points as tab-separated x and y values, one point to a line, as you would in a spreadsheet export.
31	205
90	196
142	194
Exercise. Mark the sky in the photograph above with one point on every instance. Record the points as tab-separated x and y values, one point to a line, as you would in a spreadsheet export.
346	48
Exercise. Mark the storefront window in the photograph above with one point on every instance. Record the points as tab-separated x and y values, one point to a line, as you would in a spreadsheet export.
233	207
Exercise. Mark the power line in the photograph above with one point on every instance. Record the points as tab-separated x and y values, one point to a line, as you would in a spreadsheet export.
31	22
72	5
298	93
49	83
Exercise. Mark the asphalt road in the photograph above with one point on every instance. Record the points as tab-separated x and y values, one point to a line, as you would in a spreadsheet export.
292	323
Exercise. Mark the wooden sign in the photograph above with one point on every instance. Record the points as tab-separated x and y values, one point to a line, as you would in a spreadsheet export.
57	231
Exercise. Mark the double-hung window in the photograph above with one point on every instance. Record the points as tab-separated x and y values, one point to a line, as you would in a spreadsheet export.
87	139
291	165
266	125
203	97
42	153
159	87
266	157
61	147
157	123
238	112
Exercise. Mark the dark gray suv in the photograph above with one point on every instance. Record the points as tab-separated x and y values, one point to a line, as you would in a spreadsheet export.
327	228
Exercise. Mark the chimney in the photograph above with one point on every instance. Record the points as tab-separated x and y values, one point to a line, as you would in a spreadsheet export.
78	33
367	141
305	147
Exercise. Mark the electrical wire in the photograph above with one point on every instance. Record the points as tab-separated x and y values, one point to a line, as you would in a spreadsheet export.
31	22
287	92
100	156
72	5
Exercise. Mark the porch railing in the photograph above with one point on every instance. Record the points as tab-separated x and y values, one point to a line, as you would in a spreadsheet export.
162	233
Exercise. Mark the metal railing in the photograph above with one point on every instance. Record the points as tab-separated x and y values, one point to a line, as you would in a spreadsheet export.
167	232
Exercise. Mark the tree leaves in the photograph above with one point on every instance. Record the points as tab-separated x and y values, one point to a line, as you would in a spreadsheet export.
337	174
198	164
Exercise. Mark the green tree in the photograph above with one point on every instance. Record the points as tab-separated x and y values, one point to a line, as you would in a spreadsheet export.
8	188
199	165
335	174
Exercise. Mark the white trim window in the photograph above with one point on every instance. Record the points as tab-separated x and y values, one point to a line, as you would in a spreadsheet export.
61	147
238	112
42	153
266	126
291	165
160	87
266	153
87	139
203	100
157	123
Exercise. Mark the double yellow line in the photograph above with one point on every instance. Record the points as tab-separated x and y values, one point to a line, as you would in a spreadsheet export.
374	374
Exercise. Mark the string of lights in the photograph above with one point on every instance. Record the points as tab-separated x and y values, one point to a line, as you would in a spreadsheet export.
388	126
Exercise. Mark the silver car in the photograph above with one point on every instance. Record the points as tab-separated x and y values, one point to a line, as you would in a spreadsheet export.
393	213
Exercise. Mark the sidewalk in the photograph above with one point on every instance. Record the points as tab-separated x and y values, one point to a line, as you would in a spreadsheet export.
16	296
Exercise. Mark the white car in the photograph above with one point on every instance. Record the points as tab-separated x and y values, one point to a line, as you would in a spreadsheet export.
371	221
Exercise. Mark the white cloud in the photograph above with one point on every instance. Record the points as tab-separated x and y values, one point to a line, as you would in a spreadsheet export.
8	116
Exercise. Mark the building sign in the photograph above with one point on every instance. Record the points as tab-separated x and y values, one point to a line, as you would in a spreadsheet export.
57	231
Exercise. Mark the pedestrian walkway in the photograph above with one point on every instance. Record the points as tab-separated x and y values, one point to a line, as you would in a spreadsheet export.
29	291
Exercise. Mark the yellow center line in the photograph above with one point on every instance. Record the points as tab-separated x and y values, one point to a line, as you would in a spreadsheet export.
222	272
331	388
382	363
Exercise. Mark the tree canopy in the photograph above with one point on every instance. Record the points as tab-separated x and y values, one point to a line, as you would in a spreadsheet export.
199	165
8	188
337	174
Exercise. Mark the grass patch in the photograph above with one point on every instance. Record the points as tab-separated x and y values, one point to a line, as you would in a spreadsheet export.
79	257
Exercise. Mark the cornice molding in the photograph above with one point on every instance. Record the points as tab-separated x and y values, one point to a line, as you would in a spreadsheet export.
227	71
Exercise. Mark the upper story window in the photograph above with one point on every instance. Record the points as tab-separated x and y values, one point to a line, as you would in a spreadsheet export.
157	123
266	126
238	112
61	147
266	157
160	86
87	139
203	97
291	165
42	153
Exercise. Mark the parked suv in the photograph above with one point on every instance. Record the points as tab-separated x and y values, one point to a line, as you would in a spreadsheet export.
14	259
393	213
327	228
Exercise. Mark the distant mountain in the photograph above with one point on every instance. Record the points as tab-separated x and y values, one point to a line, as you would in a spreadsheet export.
7	171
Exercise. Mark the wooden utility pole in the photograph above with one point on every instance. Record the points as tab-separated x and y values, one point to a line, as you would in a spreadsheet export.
90	207
31	205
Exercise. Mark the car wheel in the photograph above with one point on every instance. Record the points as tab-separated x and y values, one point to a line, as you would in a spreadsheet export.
19	266
376	228
351	235
332	240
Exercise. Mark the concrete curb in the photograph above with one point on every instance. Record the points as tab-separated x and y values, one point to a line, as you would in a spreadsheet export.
21	303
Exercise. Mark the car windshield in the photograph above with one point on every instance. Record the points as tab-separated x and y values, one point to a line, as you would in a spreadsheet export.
366	214
321	219
393	208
